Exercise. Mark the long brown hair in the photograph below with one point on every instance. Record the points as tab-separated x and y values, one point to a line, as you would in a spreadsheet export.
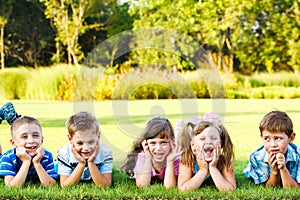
190	130
157	126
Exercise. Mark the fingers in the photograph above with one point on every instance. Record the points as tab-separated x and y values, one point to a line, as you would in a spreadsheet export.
145	146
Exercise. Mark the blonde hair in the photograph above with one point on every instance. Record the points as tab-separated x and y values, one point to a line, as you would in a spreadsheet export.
190	130
82	121
23	120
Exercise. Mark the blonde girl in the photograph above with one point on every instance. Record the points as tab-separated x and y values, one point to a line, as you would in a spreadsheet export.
207	155
154	156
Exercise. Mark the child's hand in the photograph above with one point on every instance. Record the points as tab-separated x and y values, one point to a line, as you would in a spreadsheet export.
145	146
217	153
39	154
174	152
77	155
273	162
203	165
280	161
22	154
95	153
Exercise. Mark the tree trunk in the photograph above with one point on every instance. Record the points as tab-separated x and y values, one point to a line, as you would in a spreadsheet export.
2	46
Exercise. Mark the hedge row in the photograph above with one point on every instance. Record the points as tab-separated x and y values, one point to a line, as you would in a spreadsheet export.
63	82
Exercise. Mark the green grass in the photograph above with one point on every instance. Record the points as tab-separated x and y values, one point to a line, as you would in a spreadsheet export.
122	121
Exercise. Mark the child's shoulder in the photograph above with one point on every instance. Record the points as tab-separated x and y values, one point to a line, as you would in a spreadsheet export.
10	152
105	149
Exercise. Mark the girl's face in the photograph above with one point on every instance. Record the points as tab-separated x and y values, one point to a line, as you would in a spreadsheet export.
159	148
206	142
85	142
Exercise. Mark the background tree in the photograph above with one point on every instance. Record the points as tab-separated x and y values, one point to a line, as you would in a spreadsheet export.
29	36
5	11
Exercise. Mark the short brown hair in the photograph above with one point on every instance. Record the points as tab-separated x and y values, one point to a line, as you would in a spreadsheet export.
276	121
23	120
82	121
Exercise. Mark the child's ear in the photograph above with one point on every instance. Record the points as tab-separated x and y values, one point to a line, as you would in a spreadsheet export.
193	146
13	143
70	138
292	137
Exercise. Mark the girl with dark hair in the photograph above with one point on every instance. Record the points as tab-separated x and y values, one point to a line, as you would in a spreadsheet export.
154	156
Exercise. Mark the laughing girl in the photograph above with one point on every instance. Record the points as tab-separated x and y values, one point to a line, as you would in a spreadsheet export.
207	155
154	156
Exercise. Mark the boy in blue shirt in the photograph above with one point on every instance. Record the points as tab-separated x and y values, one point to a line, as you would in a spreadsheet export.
28	160
276	163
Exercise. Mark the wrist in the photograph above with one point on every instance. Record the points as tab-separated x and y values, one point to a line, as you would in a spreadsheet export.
275	172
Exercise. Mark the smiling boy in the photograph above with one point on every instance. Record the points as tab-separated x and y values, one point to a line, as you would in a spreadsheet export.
28	160
276	163
84	158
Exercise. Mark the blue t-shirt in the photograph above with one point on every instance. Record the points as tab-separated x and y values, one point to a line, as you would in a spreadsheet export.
10	165
67	162
259	169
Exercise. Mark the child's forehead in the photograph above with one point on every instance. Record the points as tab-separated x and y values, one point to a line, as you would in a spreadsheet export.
27	128
273	133
86	133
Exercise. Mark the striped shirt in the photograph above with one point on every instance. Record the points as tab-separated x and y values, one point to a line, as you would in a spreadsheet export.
67	162
259	169
10	165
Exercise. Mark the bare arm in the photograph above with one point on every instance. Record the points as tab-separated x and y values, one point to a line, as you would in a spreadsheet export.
186	180
286	178
225	181
143	178
98	178
44	177
74	177
20	178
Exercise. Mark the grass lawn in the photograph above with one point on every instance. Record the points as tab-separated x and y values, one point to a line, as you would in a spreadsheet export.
122	121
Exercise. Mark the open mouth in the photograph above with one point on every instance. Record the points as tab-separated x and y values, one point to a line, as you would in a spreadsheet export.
208	150
158	155
274	151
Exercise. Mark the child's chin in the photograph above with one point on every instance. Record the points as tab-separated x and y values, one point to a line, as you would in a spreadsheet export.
208	159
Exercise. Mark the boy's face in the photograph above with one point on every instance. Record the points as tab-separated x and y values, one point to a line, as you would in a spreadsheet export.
276	142
28	136
85	142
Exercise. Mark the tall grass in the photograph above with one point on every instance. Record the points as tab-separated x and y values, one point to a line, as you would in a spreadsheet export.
64	82
241	118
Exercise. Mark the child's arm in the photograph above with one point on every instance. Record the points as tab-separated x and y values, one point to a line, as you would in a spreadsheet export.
76	174
97	176
170	179
20	177
143	177
287	180
186	180
224	181
44	177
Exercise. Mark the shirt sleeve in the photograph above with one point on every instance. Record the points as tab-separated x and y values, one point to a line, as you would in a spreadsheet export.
106	166
176	165
64	167
48	165
257	170
7	168
139	163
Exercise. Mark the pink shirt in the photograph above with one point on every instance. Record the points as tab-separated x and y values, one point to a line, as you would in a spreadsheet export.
140	164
